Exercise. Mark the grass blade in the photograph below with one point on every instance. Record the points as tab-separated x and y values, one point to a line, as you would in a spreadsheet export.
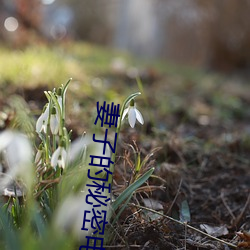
128	191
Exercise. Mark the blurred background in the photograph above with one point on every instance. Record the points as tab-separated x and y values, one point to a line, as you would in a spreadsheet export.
211	34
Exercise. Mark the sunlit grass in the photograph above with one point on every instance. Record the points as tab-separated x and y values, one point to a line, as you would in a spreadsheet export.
51	64
34	65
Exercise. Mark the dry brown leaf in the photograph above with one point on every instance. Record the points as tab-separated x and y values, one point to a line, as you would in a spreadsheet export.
245	236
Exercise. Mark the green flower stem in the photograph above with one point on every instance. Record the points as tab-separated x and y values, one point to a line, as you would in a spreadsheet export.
65	87
66	137
54	142
53	97
47	137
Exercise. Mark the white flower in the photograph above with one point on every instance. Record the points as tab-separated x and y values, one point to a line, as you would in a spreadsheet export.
70	214
59	157
38	156
42	122
54	121
133	114
17	152
78	149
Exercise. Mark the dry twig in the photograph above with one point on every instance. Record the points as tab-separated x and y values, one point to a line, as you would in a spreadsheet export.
184	224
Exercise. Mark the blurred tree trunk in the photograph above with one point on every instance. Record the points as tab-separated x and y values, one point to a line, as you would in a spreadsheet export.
28	14
229	34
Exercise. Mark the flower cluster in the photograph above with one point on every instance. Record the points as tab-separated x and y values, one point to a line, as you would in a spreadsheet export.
52	152
51	115
16	151
56	152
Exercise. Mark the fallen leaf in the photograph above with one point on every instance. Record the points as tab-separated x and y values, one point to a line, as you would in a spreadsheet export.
155	205
215	231
152	204
245	236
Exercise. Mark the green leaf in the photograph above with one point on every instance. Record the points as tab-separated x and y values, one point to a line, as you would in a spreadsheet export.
184	212
122	208
65	87
39	222
128	191
11	237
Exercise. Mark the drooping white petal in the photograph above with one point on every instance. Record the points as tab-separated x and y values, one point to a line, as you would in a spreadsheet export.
59	99
124	113
39	123
19	151
18	156
70	213
5	139
139	116
78	148
46	112
54	124
132	117
38	156
55	156
44	127
62	161
69	216
42	121
59	157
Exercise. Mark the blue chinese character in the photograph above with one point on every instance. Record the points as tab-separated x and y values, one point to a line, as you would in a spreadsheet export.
100	187
106	142
96	173
97	198
98	221
101	158
93	244
85	220
111	117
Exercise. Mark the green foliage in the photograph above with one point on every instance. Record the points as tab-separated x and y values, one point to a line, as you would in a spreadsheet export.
128	192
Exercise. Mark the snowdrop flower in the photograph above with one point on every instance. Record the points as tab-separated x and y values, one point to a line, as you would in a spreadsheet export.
17	152
70	213
133	114
59	157
54	121
42	122
78	149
